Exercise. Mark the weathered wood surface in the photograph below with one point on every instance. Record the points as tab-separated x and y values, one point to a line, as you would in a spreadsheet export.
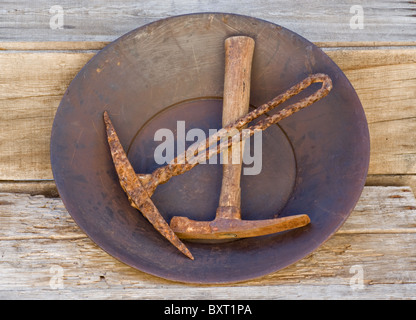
34	81
103	20
44	255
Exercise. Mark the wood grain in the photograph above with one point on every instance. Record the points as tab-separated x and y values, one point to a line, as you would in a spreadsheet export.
107	20
238	62
32	85
386	85
45	255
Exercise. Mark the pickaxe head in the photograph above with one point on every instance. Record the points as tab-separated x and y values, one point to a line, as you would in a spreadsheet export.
222	228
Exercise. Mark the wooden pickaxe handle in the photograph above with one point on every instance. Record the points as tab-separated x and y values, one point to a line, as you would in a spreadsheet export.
238	60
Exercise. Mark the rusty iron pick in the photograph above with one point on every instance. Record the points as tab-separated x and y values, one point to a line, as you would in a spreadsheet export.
135	191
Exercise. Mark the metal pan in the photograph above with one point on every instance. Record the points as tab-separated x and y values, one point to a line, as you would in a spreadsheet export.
314	162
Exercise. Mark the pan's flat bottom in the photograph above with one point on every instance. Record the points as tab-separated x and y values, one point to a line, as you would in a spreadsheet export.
268	174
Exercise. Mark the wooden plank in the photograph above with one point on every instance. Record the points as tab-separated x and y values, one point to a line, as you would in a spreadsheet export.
106	20
33	83
386	85
281	292
45	255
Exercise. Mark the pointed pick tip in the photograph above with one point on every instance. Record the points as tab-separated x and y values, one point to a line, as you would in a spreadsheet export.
189	255
179	245
182	248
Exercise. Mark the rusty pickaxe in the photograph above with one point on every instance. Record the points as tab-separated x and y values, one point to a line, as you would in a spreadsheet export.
140	187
